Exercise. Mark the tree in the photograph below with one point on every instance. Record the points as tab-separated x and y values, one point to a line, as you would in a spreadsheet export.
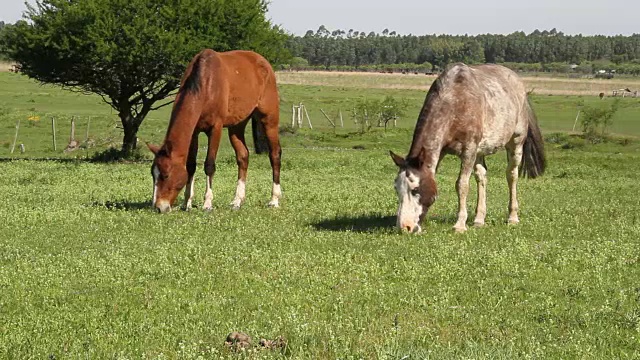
133	52
4	29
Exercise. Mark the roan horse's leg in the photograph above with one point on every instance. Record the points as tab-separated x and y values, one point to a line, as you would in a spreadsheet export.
214	135
468	158
514	157
191	170
236	136
481	179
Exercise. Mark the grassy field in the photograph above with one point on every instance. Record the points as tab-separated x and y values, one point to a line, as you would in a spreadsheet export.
23	99
87	270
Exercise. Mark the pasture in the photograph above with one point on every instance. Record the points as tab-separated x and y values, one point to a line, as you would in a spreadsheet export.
87	270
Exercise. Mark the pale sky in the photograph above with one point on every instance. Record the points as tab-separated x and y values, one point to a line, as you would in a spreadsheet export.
421	17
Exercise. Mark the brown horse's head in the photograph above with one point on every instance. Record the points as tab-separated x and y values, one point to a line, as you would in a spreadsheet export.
416	189
169	177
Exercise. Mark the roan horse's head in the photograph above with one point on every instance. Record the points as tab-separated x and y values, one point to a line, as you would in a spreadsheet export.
169	177
416	189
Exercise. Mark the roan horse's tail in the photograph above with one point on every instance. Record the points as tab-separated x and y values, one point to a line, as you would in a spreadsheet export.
533	159
260	141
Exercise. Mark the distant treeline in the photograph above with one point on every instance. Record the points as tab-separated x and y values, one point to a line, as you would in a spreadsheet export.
545	50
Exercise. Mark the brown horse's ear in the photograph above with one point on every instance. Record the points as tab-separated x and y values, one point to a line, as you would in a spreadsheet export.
154	148
400	162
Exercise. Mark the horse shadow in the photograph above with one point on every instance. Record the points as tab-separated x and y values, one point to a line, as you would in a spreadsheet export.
361	224
371	223
123	205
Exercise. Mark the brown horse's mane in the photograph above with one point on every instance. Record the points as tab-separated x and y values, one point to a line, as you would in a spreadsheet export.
191	86
191	83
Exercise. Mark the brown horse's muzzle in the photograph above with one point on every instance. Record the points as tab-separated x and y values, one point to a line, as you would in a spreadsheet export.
163	206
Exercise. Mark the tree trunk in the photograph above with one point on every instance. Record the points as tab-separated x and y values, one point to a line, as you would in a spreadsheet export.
130	140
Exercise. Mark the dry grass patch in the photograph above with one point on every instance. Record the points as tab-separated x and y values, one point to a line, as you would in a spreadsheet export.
540	85
5	66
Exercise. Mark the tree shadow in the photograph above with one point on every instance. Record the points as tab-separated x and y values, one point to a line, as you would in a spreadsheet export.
123	205
361	224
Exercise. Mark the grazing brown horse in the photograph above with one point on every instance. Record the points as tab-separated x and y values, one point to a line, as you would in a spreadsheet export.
471	112
218	90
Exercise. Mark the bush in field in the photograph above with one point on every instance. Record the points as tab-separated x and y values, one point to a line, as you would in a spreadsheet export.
367	112
596	120
133	52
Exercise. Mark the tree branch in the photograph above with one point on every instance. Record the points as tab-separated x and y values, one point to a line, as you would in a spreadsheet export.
163	105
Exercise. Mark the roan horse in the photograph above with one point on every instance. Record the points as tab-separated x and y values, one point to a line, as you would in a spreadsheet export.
218	90
471	112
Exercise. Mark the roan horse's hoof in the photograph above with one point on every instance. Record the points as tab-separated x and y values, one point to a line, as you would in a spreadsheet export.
459	230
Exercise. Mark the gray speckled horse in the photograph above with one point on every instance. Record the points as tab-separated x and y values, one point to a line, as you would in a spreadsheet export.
471	112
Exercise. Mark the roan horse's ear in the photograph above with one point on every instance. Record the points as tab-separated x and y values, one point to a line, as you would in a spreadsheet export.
399	160
154	148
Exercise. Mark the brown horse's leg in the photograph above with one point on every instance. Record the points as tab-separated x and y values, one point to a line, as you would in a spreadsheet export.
236	136
210	163
514	157
468	158
481	179
275	152
191	170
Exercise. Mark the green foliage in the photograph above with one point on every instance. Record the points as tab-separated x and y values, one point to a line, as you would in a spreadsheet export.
356	49
596	120
298	62
4	31
133	52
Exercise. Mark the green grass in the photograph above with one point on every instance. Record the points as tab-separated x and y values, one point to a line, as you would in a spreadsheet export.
87	270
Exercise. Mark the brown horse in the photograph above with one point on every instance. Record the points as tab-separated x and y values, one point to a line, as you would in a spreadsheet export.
218	90
471	112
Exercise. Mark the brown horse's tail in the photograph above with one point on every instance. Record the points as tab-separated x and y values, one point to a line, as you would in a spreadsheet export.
533	159
260	141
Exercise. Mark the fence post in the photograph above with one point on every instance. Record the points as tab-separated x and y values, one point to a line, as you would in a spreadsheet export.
325	115
53	130
308	119
15	138
293	116
86	135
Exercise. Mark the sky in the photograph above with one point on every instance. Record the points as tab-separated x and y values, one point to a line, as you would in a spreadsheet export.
420	17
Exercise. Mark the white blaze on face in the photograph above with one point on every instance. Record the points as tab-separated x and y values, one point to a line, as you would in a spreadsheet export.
409	209
155	173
